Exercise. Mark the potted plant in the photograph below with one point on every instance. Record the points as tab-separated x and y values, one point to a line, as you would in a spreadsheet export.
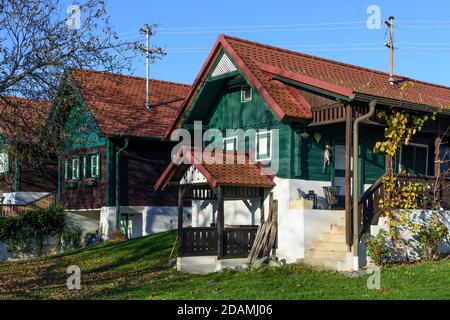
90	182
70	184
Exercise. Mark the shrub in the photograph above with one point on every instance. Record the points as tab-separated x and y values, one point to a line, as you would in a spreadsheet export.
28	232
379	249
117	236
429	237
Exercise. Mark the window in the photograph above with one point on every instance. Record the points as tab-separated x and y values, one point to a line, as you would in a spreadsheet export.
230	143
445	158
72	169
91	166
246	93
264	146
3	162
414	158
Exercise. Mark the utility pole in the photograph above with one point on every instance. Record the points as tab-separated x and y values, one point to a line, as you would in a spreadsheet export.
147	31
390	45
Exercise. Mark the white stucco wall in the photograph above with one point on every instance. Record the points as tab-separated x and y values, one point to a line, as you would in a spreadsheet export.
418	217
144	220
237	212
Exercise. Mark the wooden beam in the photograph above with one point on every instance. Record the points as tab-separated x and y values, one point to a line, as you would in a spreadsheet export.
261	207
220	222
348	189
180	221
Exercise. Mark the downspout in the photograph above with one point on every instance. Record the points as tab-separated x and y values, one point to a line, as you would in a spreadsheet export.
366	116
17	174
118	154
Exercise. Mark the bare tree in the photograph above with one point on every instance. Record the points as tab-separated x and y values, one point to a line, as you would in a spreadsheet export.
39	39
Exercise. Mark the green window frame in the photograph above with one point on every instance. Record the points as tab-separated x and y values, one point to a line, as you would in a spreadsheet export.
92	166
246	93
72	168
264	146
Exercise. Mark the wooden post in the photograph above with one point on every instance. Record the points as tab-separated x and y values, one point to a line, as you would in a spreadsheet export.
220	223
261	207
437	156
348	185
180	221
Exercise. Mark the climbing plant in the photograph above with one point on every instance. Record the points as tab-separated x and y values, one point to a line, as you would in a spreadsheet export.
399	199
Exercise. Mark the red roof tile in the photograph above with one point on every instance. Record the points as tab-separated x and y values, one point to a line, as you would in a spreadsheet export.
22	120
238	172
261	64
357	79
117	103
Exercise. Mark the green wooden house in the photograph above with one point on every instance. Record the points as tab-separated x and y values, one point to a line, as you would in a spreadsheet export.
113	149
302	110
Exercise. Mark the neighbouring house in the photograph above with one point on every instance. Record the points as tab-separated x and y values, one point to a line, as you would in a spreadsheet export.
302	110
114	150
27	174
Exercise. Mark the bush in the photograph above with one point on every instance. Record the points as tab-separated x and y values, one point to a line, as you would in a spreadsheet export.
28	232
429	237
70	238
378	249
117	236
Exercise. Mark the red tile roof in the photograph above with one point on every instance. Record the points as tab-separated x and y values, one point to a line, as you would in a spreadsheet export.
117	103
238	172
22	120
261	64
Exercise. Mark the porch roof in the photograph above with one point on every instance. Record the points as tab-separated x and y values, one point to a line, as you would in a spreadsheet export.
229	168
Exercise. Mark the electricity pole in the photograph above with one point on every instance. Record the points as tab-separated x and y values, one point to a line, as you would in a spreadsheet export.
390	45
147	31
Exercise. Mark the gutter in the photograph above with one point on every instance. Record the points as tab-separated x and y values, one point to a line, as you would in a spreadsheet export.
118	154
364	117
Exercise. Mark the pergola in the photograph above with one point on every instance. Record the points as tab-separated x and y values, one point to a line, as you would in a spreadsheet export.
206	180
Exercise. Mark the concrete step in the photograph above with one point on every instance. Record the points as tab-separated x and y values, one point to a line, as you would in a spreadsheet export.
333	237
321	263
334	246
325	254
336	228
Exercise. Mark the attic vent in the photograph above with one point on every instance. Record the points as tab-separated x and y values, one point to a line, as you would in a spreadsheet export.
223	67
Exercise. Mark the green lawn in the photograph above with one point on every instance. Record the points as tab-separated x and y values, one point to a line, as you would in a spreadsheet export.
137	270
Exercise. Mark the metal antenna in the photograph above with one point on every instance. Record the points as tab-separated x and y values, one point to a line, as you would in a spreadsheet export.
390	45
147	31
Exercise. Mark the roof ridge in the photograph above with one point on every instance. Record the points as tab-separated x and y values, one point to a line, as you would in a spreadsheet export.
259	44
131	77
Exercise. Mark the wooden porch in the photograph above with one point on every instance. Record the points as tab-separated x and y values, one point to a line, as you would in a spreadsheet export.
223	241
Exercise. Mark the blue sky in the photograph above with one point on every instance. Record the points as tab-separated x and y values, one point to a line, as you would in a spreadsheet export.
330	29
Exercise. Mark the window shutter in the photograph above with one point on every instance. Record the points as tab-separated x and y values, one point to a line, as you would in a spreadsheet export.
85	167
98	166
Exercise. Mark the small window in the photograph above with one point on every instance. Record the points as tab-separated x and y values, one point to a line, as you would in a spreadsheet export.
246	93
230	143
91	166
72	169
264	146
414	158
3	162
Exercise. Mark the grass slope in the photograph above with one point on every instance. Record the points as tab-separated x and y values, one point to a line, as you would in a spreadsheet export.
137	270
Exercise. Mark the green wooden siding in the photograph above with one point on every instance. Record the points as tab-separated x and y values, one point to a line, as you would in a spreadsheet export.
81	131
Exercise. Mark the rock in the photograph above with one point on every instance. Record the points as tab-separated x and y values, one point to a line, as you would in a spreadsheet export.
259	263
274	263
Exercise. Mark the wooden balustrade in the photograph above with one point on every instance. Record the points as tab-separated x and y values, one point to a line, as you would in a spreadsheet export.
202	241
238	241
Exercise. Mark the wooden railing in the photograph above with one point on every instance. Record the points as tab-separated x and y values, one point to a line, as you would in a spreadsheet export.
369	209
238	241
12	210
202	241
